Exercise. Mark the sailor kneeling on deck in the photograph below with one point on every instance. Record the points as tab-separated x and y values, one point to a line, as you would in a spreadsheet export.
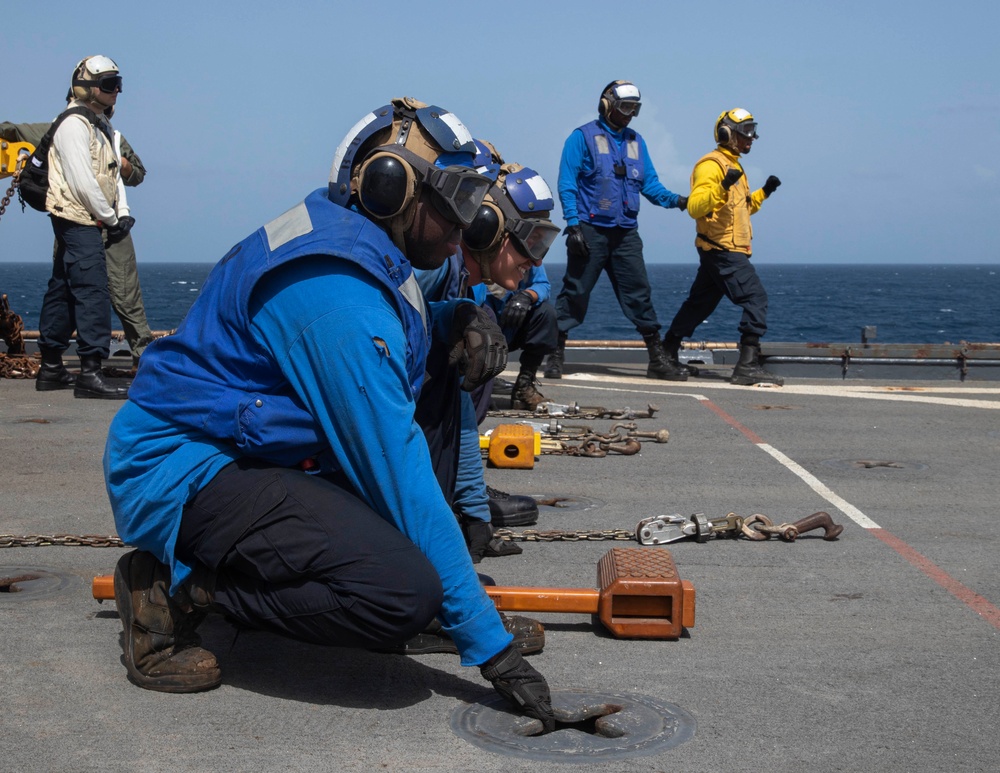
268	464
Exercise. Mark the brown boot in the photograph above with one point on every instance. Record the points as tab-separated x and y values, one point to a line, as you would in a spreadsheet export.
529	638
526	396
162	650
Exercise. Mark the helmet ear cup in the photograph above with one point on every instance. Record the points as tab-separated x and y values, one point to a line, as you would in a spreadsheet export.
385	185
723	134
486	229
604	106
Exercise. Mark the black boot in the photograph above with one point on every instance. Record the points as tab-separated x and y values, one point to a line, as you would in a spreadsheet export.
554	364
672	348
511	509
90	383
163	651
53	374
659	365
748	370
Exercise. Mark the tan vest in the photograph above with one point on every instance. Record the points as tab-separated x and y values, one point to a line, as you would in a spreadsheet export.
728	228
60	200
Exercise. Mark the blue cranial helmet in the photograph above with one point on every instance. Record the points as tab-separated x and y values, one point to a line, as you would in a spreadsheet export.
519	205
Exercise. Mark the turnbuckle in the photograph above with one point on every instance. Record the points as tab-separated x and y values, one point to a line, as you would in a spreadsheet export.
662	529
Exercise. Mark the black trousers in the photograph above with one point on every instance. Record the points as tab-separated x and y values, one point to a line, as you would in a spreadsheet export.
723	274
618	251
303	556
77	296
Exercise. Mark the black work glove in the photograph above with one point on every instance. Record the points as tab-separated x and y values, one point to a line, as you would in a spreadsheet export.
120	230
521	685
576	245
515	311
731	177
771	185
482	542
478	346
682	203
477	536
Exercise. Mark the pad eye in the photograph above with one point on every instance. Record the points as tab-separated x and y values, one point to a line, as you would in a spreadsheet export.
485	229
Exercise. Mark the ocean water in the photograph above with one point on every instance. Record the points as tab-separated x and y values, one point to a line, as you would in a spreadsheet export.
808	303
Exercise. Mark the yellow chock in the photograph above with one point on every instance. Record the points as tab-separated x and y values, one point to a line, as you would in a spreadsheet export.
513	446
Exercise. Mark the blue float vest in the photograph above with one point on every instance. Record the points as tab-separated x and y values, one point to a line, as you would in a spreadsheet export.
213	377
606	198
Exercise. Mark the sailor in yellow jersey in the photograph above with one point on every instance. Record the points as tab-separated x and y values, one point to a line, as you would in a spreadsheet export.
721	202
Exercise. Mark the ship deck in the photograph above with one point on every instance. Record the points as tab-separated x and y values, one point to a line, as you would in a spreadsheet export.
876	651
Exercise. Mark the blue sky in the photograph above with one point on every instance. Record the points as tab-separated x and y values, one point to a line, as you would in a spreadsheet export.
881	118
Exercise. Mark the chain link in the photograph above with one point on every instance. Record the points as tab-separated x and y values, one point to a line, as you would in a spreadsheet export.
596	535
13	186
65	540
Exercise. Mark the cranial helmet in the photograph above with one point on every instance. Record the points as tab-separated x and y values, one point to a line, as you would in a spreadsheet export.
622	96
733	122
387	155
488	160
99	72
518	204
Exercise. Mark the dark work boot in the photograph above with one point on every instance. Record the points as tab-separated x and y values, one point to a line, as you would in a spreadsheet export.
749	371
526	396
529	637
163	651
672	348
511	509
554	363
90	383
53	374
659	365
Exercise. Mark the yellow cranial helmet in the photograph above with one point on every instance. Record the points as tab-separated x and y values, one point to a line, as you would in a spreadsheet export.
733	122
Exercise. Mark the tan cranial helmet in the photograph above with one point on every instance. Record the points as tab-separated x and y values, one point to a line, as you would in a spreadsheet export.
390	152
95	72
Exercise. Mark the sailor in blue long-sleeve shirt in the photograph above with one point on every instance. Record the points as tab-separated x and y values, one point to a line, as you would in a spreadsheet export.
604	169
268	464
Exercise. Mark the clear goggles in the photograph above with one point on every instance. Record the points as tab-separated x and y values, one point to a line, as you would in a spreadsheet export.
459	192
109	84
532	237
748	129
628	107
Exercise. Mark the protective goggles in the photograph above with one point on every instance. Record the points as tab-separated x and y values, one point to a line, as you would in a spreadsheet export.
532	236
459	192
109	84
748	129
628	106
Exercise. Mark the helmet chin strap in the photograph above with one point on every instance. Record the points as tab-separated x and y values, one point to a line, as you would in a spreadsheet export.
484	259
401	223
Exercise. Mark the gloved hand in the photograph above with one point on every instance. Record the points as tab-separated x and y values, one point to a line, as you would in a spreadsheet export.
515	311
771	184
478	346
482	542
682	203
521	685
731	177
477	536
576	245
120	230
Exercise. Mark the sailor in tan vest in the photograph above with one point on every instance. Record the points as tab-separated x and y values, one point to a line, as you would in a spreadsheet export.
85	195
722	203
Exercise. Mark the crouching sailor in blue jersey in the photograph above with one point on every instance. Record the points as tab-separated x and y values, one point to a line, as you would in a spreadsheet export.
267	464
503	246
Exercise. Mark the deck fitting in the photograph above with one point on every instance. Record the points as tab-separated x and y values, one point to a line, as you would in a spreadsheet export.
589	726
20	583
